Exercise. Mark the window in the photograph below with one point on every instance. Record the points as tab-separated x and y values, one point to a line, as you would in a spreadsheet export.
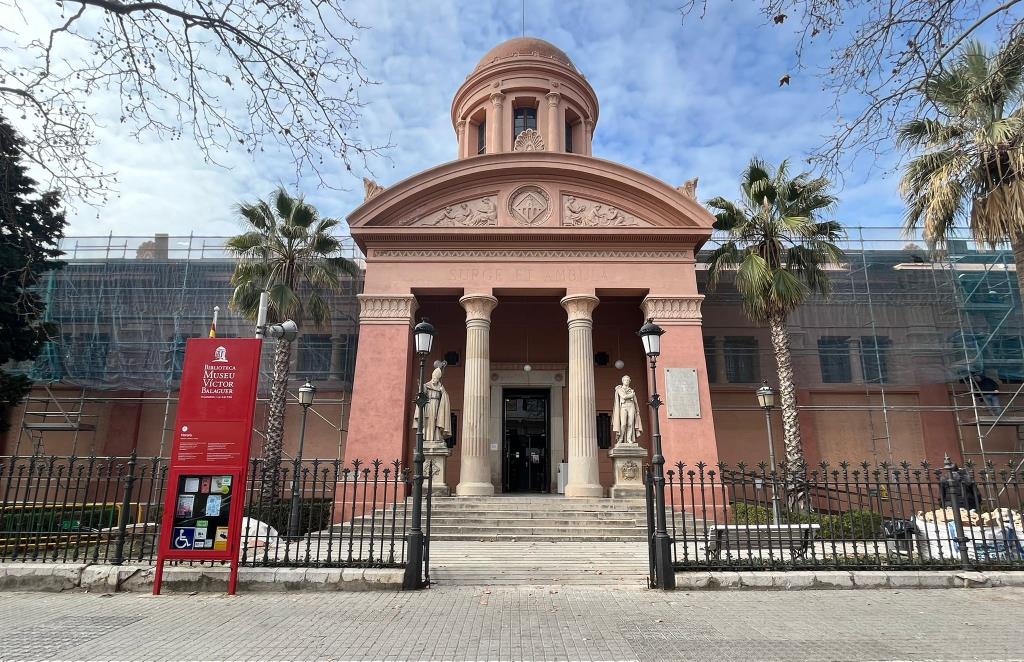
314	356
523	119
874	359
347	346
834	356
481	138
89	355
741	361
710	360
568	137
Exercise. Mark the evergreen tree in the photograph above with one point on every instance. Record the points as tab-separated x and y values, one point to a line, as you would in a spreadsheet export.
31	226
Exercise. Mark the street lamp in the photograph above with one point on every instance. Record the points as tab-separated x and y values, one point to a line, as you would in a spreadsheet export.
306	393
766	400
665	577
423	337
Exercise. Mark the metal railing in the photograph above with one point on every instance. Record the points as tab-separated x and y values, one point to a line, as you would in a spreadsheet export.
853	516
108	510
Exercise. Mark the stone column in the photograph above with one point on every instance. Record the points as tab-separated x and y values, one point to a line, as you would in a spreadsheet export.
461	128
475	470
584	477
495	123
554	125
588	136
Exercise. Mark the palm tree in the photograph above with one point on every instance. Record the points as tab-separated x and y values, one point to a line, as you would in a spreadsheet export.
778	247
289	251
970	156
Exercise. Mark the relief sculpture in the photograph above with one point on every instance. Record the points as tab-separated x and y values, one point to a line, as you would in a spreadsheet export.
578	212
469	214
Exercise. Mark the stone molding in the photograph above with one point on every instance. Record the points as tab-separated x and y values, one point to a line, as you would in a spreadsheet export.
528	140
580	212
529	205
531	253
386	308
673	309
580	307
478	306
479	213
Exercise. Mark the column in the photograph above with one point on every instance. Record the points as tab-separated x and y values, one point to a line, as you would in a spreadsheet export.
584	474
495	123
554	140
475	470
588	136
460	132
377	427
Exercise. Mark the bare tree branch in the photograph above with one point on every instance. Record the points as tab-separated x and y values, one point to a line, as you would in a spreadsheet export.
227	74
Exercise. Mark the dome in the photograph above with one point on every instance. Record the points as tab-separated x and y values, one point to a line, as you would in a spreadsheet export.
525	47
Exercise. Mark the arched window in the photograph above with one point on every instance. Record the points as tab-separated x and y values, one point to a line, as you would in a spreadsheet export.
481	138
524	118
568	137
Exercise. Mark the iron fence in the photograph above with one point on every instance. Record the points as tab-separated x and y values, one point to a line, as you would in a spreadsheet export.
108	510
844	516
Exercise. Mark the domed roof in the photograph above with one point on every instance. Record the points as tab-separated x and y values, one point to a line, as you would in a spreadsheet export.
525	47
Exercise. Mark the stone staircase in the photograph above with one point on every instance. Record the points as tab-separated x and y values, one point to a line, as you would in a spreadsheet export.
517	518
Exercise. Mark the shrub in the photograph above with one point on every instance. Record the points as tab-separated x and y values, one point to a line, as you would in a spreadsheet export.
851	525
314	514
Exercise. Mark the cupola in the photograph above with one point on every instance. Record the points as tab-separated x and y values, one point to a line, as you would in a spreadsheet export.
524	95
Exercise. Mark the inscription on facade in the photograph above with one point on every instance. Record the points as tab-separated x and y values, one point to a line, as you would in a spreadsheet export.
682	393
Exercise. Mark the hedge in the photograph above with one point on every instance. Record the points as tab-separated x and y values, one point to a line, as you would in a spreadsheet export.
851	525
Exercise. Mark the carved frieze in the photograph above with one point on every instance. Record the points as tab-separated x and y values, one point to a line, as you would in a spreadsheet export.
386	308
582	213
470	214
529	205
673	309
530	254
529	140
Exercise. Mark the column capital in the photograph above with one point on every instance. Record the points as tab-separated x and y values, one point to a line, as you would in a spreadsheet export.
674	309
553	99
478	306
497	99
386	308
580	306
459	125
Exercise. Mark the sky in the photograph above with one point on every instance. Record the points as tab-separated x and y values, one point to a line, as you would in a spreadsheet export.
679	99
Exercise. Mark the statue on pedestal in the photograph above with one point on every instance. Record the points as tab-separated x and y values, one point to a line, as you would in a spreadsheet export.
626	423
437	412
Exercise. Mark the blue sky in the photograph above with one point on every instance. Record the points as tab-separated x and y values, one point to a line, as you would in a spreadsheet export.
678	98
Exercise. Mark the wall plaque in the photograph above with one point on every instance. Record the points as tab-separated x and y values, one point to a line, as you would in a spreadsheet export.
681	393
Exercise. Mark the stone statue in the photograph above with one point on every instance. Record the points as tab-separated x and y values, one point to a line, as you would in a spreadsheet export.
626	414
689	188
371	188
437	411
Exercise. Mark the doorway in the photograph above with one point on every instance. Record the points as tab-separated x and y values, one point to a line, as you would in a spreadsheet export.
526	451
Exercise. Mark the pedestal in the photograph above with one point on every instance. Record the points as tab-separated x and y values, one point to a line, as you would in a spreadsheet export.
629	471
439	456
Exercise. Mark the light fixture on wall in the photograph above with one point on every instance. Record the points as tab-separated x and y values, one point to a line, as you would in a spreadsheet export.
619	363
526	366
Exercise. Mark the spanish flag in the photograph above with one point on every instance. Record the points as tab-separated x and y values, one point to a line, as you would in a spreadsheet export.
213	324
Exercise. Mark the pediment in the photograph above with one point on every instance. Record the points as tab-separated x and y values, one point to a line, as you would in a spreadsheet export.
531	193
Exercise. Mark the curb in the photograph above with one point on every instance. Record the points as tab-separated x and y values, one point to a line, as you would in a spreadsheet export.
56	577
804	580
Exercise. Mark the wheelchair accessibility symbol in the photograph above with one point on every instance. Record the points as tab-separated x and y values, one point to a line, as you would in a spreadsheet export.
183	538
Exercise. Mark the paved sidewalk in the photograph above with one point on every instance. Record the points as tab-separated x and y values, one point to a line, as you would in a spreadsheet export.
574	622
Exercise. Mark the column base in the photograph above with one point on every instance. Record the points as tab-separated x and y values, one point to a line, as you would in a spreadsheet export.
584	491
474	489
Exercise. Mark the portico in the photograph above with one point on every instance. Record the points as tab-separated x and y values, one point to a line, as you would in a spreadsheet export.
536	265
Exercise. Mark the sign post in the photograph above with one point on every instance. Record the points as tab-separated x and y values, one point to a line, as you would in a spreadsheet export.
203	510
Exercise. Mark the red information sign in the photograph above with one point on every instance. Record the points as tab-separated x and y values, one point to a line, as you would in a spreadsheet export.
202	517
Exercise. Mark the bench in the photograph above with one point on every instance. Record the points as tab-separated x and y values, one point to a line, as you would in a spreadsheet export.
742	537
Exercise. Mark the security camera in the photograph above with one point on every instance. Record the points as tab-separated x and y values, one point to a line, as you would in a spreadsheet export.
287	330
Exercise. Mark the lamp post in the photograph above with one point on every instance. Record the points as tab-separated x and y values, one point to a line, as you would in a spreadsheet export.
665	577
766	400
306	393
423	335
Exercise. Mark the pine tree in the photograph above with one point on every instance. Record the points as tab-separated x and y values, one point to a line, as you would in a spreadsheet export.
31	226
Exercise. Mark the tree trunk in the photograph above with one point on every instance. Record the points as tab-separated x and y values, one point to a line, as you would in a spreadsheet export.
794	469
274	443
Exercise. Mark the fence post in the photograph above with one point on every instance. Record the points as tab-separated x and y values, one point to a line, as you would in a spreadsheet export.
953	484
122	519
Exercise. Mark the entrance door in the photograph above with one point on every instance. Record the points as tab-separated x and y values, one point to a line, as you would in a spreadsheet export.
527	446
